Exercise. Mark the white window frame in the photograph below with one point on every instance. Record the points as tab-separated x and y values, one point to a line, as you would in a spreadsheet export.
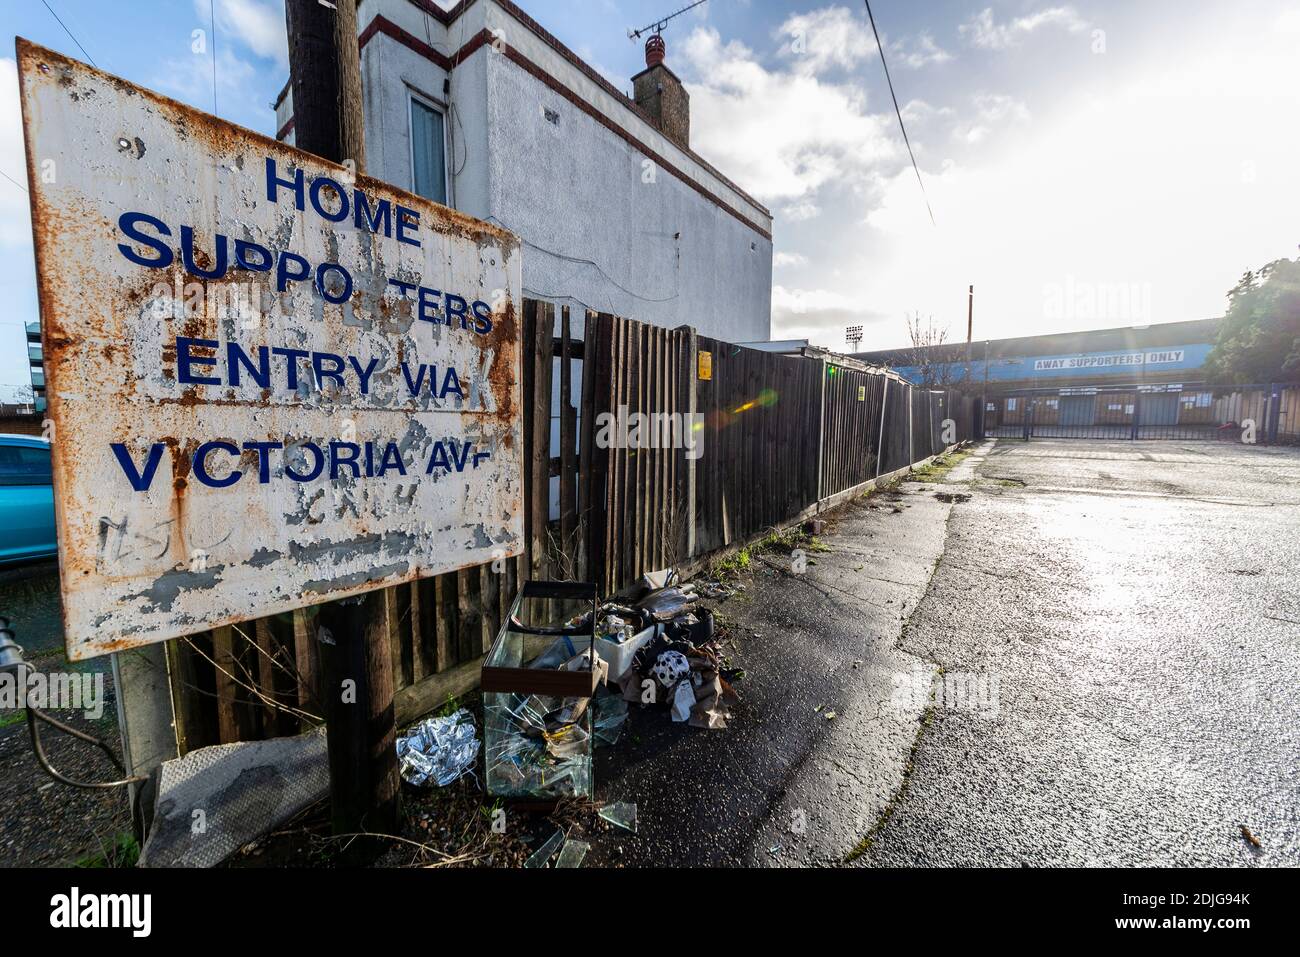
412	95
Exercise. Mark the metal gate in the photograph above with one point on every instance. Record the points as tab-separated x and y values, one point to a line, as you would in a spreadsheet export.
1266	414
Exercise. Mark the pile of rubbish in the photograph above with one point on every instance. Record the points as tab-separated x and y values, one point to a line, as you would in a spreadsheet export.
650	645
660	649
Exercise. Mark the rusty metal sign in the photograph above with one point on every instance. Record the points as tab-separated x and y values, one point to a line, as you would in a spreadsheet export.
271	383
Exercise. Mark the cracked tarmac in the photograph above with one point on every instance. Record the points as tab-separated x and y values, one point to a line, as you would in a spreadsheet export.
1117	628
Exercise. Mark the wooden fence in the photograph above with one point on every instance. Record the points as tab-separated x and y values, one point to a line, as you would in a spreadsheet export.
644	447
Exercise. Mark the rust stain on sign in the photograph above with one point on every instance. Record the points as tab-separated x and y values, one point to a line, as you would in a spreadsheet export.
272	383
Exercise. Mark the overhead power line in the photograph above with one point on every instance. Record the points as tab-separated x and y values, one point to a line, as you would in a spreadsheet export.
898	112
12	180
212	11
69	33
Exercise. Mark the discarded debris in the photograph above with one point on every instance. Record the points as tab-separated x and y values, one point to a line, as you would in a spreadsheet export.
572	853
438	750
717	590
952	497
668	603
540	681
650	645
610	717
1250	838
543	854
622	814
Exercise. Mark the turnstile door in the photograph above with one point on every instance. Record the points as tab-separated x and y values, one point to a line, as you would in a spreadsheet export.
1160	408
1078	409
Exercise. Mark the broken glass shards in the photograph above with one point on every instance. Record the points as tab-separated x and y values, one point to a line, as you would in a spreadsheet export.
542	856
621	814
611	716
538	683
572	853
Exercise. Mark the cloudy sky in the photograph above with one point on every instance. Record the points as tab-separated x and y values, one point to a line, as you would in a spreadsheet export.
1088	164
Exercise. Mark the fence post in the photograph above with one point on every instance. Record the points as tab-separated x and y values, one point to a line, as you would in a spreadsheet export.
1137	415
821	437
147	719
539	474
691	380
1027	416
880	442
1274	412
911	424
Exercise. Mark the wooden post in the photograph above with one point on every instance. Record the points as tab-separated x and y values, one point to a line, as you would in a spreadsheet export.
325	73
356	689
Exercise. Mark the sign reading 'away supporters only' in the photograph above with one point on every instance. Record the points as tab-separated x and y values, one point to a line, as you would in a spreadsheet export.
270	383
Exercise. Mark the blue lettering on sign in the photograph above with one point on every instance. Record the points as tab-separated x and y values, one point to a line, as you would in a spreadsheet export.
318	463
458	457
195	358
200	464
301	461
150	242
185	359
140	479
129	223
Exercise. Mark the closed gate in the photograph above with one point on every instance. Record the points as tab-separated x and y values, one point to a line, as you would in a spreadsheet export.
1183	411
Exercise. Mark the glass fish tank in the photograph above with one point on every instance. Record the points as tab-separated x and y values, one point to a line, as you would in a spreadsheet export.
539	680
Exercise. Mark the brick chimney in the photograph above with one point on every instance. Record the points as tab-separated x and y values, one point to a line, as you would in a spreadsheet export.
657	90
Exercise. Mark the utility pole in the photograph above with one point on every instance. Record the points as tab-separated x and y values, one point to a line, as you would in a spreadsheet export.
970	323
325	76
356	689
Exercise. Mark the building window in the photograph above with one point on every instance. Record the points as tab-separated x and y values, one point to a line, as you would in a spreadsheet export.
428	152
1011	405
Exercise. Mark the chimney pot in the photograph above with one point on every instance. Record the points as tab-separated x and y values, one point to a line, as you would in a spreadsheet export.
659	92
654	50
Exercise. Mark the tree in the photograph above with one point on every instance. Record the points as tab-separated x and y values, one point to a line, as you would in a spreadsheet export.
935	361
1259	340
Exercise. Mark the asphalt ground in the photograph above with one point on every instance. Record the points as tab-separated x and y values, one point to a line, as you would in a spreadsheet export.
1062	653
1135	606
815	750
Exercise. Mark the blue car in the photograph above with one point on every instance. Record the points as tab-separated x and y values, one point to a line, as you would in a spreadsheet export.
26	500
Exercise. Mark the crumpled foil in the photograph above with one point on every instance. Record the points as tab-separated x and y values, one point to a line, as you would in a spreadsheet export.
438	750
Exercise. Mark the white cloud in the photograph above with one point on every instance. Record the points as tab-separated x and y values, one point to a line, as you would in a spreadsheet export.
983	31
190	79
788	259
920	53
801	210
800	302
826	38
990	110
919	111
15	211
818	315
781	135
258	25
1110	191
